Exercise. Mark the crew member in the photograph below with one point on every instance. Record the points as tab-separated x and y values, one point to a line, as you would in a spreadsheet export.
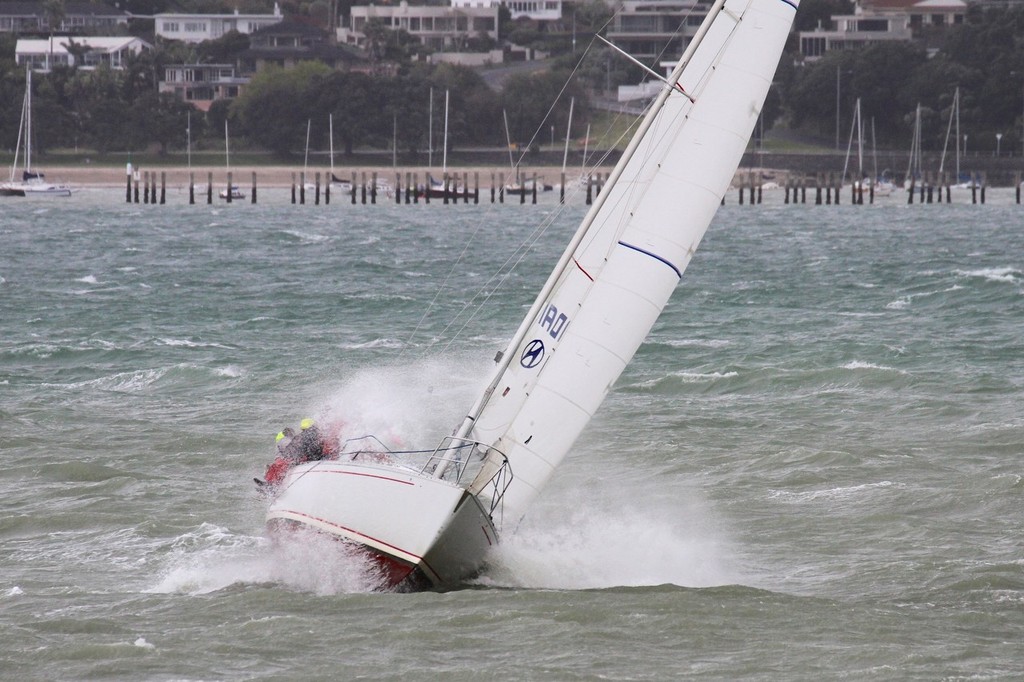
311	441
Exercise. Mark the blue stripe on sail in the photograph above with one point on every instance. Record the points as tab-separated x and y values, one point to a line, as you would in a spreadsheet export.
654	256
790	3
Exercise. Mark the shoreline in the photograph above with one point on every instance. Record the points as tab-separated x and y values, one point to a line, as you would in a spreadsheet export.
284	176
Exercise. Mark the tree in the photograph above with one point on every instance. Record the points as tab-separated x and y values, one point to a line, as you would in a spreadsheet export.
276	104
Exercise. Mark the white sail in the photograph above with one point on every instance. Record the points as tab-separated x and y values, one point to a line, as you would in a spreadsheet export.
631	250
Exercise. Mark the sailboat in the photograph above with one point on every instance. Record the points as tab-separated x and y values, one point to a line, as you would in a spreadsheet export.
429	517
435	189
32	183
954	117
235	193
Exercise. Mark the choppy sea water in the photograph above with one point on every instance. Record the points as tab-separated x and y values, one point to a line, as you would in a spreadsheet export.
811	470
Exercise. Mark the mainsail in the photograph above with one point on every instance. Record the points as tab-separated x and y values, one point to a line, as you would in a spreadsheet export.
630	251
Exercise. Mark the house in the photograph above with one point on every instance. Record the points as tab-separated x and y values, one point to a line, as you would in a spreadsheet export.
202	84
656	29
195	28
876	21
82	52
32	18
287	43
537	10
438	28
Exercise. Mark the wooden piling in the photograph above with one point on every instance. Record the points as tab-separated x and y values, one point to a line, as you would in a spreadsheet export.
191	188
163	187
209	187
373	188
316	183
128	185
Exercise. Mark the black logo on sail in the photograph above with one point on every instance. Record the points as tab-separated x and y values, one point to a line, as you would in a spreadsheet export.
532	354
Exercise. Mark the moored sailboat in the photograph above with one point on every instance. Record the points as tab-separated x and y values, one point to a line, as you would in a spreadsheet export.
429	517
32	183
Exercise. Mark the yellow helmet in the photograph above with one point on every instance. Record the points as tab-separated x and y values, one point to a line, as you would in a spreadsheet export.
279	437
305	423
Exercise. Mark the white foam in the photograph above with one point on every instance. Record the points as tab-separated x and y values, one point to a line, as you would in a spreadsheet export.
594	544
88	279
1009	275
143	644
858	364
406	406
839	493
212	558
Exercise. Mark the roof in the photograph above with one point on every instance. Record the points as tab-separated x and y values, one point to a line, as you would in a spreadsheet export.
37	9
58	44
909	5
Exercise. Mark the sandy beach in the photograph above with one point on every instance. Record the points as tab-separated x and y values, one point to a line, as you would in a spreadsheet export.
277	176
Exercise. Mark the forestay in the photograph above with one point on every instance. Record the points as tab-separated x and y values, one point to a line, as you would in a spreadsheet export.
631	249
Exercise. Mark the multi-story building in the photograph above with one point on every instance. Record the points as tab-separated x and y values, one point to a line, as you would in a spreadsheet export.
875	21
287	43
195	28
82	52
538	10
32	18
439	28
202	84
656	29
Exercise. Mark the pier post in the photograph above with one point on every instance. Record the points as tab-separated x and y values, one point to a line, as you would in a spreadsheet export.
316	194
252	197
230	185
209	187
373	187
501	188
128	184
163	187
191	188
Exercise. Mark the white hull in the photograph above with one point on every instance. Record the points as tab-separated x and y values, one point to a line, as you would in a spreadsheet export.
429	533
34	189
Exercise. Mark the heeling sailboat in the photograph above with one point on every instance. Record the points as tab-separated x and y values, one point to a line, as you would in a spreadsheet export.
432	524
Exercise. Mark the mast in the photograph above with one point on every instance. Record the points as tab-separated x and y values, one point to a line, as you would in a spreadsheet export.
330	133
28	119
430	131
508	142
567	256
305	162
444	156
188	142
568	132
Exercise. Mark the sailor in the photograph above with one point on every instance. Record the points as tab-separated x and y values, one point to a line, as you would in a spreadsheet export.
311	441
284	439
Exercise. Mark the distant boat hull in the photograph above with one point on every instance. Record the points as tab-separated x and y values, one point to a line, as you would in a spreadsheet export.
34	189
431	533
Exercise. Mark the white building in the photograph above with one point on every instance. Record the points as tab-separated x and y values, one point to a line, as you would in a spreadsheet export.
195	28
538	10
876	21
439	28
45	53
